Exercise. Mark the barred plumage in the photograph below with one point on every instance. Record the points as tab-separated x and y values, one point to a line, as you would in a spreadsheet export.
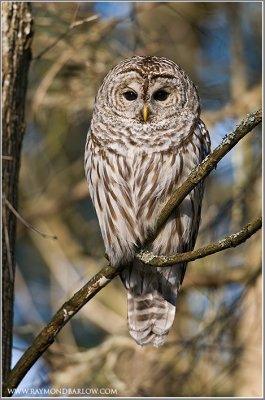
140	147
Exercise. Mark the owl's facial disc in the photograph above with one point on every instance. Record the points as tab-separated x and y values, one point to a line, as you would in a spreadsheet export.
131	95
147	99
131	99
134	102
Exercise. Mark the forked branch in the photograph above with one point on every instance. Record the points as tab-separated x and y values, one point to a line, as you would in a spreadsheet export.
207	165
147	257
48	334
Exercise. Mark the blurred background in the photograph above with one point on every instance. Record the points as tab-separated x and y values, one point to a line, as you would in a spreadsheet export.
214	348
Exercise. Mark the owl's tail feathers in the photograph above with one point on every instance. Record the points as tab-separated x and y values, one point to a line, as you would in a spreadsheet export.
150	317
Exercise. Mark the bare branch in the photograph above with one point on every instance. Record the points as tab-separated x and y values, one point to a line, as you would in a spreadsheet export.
105	275
27	224
209	163
230	241
64	34
48	334
218	278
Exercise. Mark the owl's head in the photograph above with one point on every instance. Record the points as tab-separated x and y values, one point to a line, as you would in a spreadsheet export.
147	89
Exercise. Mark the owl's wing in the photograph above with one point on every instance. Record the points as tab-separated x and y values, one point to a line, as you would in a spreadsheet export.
111	180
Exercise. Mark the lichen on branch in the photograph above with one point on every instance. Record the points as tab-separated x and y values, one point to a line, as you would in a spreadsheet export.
233	240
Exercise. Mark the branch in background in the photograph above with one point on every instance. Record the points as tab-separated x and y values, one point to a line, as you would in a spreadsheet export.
64	34
54	204
24	222
236	107
219	278
233	240
102	278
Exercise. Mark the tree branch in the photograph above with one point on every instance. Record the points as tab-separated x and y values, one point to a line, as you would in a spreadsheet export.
102	278
219	278
147	257
24	222
208	164
64	34
48	334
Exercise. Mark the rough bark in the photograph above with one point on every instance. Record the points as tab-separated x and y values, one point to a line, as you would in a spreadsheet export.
16	54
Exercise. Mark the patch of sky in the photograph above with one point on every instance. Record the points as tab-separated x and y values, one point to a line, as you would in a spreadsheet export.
37	276
213	70
215	53
33	142
252	47
225	166
232	293
113	9
119	39
198	303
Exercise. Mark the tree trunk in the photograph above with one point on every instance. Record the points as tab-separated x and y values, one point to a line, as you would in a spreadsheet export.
16	54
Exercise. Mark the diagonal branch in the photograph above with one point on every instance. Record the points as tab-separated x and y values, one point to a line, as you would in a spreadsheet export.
233	240
24	222
105	275
48	334
208	164
64	34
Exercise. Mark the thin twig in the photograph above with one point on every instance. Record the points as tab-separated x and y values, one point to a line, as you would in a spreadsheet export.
105	275
48	79
147	257
24	222
76	12
64	34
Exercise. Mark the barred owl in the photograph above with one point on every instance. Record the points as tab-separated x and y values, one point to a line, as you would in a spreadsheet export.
145	138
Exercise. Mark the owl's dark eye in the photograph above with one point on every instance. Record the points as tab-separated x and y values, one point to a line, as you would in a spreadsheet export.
161	95
130	95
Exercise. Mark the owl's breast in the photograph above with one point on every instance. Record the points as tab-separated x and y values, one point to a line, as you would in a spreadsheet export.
126	136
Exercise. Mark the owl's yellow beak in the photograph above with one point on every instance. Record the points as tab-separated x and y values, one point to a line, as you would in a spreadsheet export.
145	113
